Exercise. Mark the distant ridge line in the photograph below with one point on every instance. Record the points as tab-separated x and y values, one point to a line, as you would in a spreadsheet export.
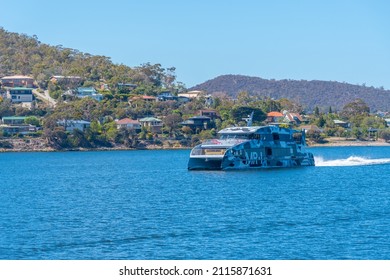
310	94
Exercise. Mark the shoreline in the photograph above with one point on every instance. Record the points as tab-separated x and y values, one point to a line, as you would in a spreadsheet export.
34	145
340	142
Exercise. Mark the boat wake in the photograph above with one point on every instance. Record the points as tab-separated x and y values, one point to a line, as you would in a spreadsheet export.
351	161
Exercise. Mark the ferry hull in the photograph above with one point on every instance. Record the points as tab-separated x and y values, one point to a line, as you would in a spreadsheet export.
204	164
226	164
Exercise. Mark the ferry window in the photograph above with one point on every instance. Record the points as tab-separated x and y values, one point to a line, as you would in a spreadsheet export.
275	136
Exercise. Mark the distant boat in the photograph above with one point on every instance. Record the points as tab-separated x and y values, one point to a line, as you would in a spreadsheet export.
252	147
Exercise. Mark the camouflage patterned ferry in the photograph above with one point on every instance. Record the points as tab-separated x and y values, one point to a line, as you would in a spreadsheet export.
252	147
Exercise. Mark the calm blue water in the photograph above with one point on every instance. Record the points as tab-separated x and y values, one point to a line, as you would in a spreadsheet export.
146	205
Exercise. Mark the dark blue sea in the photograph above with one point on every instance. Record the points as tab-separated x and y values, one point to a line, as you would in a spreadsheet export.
146	205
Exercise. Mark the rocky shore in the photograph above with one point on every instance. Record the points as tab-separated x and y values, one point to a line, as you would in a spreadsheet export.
41	145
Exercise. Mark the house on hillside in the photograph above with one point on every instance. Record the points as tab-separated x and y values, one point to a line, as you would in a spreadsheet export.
293	118
83	92
274	117
342	124
153	124
387	122
311	128
145	98
20	94
128	124
183	99
166	95
212	114
192	94
126	86
66	79
17	81
197	122
16	125
71	125
18	129
13	120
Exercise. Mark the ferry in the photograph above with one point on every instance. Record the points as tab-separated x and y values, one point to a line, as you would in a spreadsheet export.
270	146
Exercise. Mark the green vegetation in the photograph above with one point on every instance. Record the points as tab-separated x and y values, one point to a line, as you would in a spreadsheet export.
122	88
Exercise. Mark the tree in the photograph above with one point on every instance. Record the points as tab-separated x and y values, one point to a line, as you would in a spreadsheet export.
314	135
243	98
78	139
290	106
316	111
373	122
270	105
32	120
385	134
320	122
240	112
356	108
6	108
172	122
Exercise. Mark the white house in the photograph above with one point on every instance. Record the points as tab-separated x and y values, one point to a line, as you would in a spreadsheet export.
71	125
20	94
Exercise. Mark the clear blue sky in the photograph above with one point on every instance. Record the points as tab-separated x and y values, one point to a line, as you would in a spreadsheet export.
332	40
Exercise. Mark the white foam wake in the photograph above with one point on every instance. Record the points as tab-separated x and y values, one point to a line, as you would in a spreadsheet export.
351	161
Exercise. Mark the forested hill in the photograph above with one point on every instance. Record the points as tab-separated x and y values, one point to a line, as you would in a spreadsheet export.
21	54
308	93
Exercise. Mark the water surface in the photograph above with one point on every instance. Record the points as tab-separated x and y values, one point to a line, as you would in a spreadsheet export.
146	205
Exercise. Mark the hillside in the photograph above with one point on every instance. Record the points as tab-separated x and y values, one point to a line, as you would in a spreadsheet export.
21	54
308	93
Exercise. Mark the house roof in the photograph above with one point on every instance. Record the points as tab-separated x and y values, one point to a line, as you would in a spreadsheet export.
191	94
65	77
339	122
144	97
19	88
126	84
16	77
84	89
74	122
310	127
13	118
274	114
293	116
199	118
127	121
148	97
150	119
